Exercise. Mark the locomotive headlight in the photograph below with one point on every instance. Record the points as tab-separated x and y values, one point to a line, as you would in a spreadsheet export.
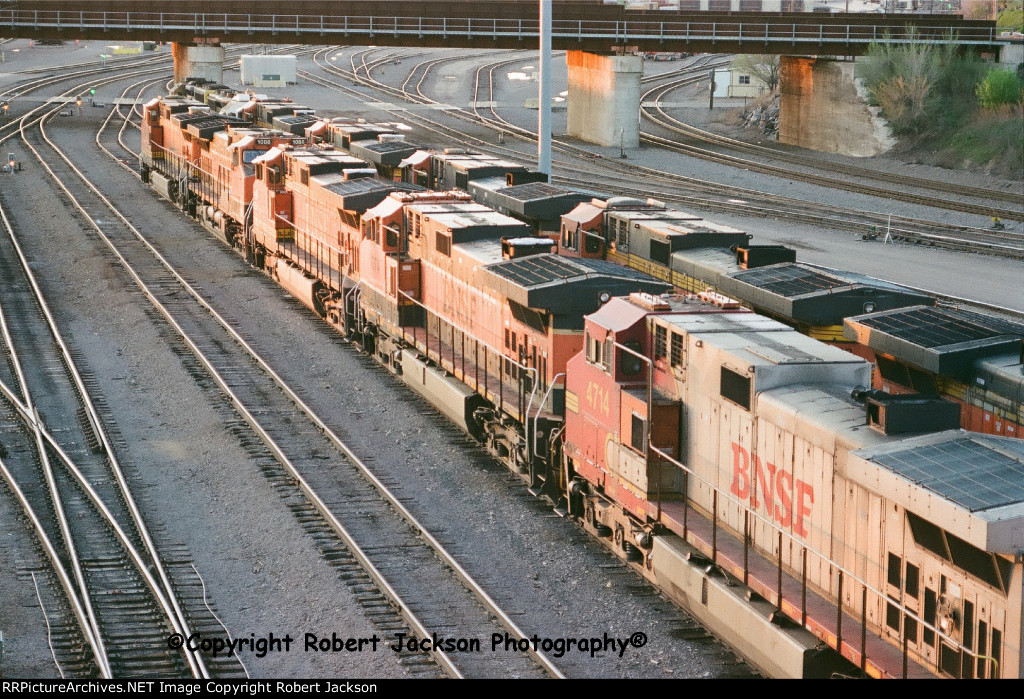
869	307
604	297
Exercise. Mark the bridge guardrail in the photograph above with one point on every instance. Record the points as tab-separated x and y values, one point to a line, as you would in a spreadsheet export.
621	32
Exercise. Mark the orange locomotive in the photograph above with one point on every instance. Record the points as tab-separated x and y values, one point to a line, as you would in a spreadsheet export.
745	468
752	472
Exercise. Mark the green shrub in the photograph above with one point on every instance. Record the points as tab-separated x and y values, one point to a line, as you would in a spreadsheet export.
930	95
1010	19
1000	87
900	78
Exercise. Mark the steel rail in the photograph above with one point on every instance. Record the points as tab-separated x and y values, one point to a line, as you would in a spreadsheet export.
677	126
163	590
58	566
866	218
393	500
79	599
665	121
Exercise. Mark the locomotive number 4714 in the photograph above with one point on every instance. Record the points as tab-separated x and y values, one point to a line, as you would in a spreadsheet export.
597	398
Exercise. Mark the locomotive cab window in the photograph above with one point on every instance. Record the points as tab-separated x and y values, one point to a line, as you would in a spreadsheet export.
594	243
638	433
735	387
569	236
629	363
595	351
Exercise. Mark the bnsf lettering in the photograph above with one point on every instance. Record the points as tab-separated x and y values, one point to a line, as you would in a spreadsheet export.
787	504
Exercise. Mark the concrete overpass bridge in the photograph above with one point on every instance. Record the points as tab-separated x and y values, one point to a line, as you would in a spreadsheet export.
500	24
604	75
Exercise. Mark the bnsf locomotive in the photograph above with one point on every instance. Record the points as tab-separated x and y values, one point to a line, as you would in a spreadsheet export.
916	346
816	524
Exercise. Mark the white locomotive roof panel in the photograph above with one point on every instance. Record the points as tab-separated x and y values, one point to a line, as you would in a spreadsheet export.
970	470
655	216
473	219
758	340
970	484
718	322
482	252
822	414
431	208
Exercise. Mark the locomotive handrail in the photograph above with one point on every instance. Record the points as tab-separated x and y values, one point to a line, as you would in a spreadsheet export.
844	573
529	370
500	353
536	417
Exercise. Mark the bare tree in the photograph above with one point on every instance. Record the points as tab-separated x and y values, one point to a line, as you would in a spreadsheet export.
764	68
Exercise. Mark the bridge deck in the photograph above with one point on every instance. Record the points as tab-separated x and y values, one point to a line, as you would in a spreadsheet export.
499	25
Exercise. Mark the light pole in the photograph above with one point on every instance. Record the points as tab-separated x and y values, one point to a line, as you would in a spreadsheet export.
544	102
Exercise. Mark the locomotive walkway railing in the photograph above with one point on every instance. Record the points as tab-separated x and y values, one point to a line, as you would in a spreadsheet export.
463	31
856	651
510	384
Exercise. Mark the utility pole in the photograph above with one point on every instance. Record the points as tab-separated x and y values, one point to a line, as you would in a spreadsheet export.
544	101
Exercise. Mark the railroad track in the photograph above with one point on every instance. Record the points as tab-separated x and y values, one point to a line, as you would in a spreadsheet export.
326	483
677	126
75	492
658	116
617	177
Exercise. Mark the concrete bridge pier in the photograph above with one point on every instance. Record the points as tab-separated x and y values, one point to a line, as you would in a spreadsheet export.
603	106
822	108
198	61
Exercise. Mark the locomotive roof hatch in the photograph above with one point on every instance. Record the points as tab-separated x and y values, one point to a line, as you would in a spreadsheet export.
945	341
814	296
970	484
565	285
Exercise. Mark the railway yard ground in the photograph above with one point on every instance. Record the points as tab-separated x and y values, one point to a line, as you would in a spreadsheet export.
206	486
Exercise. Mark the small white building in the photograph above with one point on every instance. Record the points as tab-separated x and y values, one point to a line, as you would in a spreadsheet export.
737	82
268	71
